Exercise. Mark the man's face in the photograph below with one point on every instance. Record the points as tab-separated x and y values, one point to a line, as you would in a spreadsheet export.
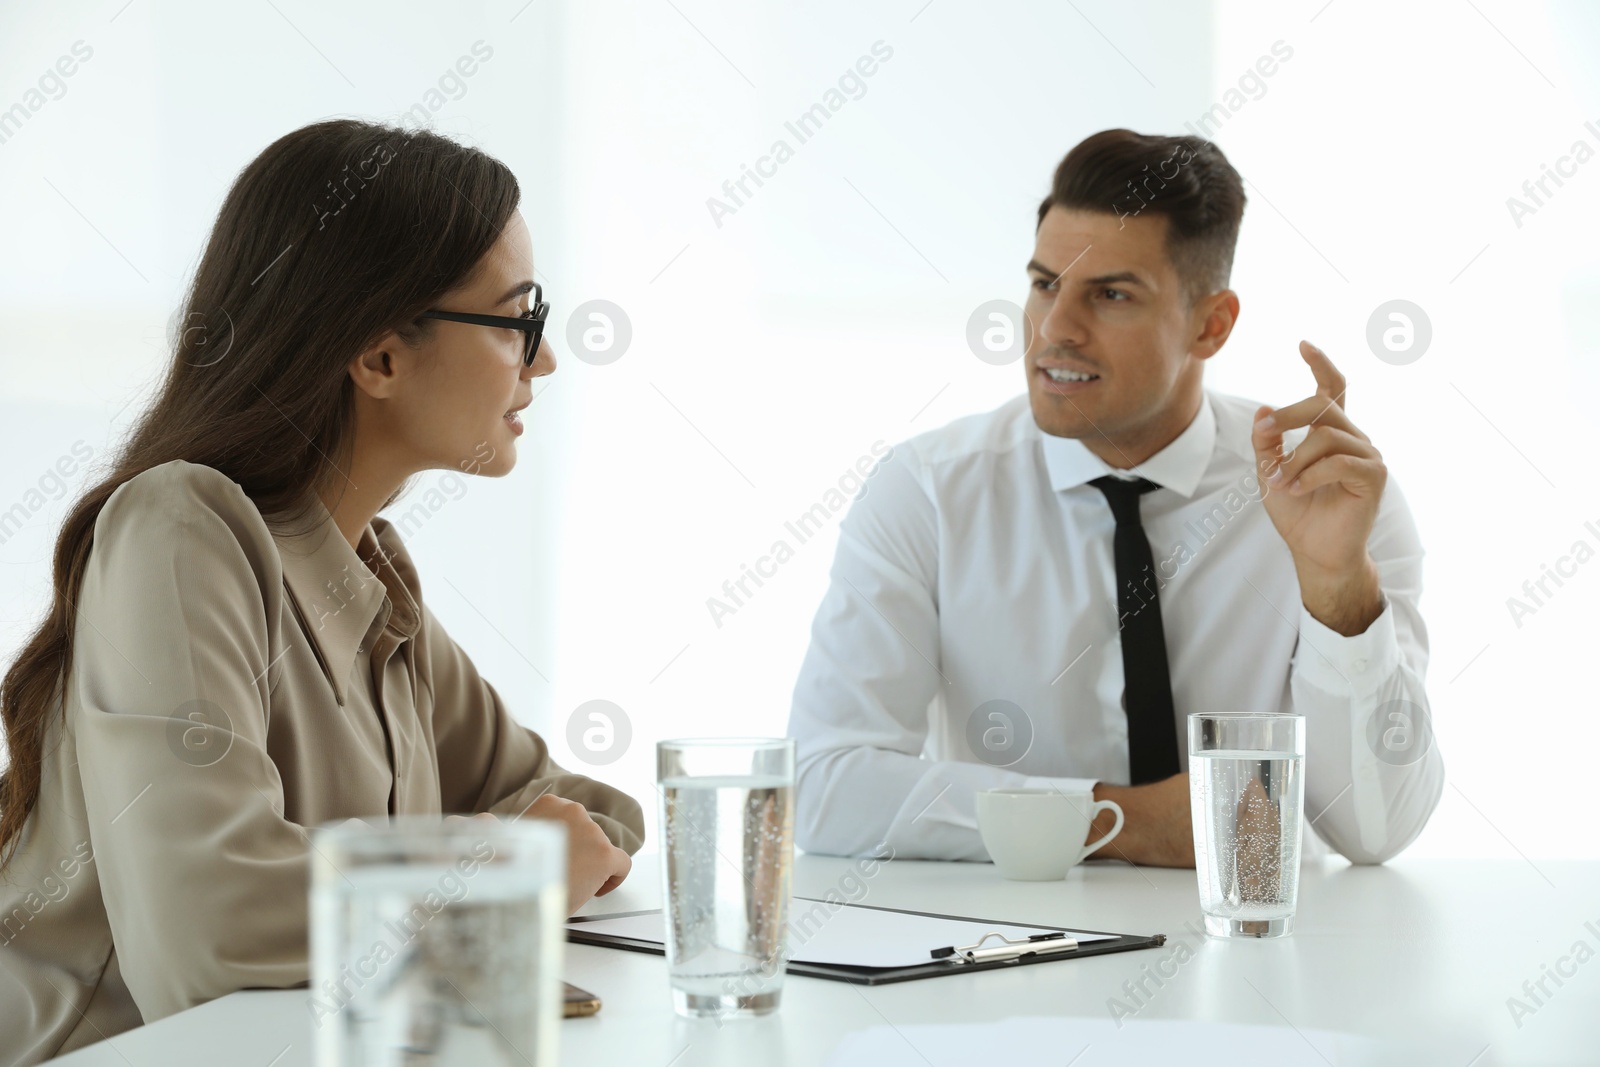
1108	308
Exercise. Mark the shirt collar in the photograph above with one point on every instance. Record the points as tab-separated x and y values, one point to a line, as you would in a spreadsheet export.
339	596
1179	466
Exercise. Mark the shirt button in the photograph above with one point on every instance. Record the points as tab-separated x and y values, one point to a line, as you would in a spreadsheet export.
1359	665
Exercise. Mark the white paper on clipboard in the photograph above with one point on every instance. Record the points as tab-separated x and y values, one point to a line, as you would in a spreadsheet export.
844	935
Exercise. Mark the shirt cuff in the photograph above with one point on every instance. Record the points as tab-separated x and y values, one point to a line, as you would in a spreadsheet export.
1347	666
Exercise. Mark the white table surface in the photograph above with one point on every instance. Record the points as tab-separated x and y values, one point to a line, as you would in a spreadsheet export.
1421	955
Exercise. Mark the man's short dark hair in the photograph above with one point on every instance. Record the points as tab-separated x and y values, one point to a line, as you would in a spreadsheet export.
1186	179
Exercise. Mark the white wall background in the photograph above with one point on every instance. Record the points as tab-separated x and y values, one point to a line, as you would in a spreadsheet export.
769	353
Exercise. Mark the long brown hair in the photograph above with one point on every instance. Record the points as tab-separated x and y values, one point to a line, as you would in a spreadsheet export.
332	235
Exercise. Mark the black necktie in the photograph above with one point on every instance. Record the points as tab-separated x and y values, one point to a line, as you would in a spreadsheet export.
1147	688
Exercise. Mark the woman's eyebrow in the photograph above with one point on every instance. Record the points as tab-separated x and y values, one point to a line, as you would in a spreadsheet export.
515	291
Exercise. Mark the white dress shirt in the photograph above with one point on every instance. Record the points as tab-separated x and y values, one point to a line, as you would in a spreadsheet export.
976	567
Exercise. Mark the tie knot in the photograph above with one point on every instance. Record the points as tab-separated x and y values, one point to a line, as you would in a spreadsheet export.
1123	495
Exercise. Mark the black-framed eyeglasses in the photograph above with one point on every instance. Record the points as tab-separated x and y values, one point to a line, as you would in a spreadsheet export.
531	324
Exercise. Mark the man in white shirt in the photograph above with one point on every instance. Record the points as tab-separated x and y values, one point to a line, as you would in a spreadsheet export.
991	623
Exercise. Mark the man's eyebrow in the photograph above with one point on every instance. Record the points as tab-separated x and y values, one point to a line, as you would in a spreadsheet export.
1120	276
1039	268
515	291
1103	279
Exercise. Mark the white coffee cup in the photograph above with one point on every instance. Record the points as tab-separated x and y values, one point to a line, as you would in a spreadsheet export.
1038	835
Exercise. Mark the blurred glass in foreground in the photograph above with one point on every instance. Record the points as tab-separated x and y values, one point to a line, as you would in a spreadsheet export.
437	942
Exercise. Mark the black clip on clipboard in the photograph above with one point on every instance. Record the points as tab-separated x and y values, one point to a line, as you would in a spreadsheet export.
1055	943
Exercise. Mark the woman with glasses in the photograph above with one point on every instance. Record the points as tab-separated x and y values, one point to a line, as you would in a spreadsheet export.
238	648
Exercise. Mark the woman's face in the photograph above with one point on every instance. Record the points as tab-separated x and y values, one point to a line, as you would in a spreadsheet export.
456	404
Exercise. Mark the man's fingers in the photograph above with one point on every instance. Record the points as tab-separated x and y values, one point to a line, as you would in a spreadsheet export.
1316	410
1325	410
1330	383
1360	475
1320	443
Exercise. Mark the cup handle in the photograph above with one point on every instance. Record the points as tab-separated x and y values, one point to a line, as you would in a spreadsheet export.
1116	827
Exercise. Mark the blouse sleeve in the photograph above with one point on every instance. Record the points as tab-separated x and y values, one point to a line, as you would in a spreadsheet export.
204	882
490	762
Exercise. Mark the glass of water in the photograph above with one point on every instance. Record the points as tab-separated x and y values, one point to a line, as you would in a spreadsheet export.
437	941
1246	791
727	842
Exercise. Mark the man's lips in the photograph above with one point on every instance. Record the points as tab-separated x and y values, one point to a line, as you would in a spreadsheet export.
1065	386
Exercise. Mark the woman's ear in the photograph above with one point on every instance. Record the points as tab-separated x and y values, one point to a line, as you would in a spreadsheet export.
375	369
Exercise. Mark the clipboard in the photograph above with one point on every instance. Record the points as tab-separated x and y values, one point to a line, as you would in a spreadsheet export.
982	954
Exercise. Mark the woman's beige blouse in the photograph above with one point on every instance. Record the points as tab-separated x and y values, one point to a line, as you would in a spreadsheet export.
230	688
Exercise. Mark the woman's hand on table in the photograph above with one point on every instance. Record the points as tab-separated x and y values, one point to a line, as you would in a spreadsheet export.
594	865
